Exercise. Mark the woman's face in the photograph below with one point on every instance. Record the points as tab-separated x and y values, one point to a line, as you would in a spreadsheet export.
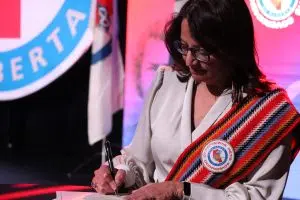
211	71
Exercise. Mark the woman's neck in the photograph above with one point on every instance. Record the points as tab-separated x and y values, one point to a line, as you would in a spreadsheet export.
213	89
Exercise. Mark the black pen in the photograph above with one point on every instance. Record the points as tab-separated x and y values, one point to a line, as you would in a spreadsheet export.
110	161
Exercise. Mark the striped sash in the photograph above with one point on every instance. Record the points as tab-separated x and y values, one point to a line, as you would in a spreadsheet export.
253	128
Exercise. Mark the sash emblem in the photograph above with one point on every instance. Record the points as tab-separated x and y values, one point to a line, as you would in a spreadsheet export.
217	156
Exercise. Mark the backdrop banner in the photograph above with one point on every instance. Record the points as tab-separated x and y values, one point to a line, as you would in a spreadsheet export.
277	26
39	41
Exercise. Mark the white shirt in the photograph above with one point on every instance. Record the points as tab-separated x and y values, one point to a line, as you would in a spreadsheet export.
164	131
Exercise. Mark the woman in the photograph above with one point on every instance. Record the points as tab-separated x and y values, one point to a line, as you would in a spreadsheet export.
212	127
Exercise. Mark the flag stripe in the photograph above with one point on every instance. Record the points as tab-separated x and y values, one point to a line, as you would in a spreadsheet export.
102	53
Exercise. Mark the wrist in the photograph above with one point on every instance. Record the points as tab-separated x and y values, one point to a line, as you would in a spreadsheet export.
179	190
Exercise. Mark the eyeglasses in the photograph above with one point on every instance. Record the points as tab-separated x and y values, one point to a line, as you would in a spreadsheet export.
198	53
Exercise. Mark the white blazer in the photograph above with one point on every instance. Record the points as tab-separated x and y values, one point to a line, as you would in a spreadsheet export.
164	131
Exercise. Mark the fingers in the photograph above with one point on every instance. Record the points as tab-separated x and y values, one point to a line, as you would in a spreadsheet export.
139	194
158	191
120	177
103	188
103	181
101	170
110	180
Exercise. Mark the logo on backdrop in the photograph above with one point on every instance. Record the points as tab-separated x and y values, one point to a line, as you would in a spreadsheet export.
276	14
49	36
104	13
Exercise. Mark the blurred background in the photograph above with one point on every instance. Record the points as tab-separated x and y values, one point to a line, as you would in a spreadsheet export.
74	73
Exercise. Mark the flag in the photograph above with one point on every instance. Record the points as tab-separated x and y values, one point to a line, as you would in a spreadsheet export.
106	73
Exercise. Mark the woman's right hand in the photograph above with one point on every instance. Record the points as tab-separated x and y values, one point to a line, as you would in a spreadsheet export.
103	182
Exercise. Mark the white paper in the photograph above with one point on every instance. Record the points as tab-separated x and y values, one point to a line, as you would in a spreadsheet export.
71	195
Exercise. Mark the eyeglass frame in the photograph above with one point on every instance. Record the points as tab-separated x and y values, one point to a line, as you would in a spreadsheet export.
178	46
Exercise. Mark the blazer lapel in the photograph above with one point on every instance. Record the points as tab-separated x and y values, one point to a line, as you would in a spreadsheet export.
222	105
185	126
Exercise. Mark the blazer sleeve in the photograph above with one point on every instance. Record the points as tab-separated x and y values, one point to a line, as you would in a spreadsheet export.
136	158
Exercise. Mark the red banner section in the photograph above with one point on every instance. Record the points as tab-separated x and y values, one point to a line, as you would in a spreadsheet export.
10	19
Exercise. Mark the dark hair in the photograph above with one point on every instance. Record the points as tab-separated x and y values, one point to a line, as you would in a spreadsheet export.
225	29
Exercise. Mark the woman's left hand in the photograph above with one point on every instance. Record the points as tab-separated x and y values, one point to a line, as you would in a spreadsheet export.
158	191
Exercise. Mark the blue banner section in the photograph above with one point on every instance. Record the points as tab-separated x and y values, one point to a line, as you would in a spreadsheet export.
102	53
37	58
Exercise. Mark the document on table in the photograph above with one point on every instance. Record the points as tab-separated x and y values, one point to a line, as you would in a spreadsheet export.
73	195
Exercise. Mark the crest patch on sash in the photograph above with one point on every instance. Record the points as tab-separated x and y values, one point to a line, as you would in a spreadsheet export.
217	156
